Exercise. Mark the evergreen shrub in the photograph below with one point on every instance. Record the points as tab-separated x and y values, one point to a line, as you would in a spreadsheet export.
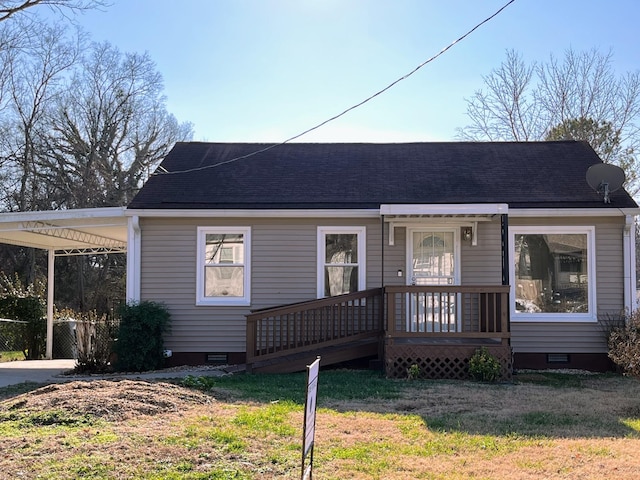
140	345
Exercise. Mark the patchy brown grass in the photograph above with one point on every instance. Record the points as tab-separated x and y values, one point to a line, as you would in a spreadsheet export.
433	430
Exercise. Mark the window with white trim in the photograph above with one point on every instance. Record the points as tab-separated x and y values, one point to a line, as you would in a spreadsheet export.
223	266
341	260
553	273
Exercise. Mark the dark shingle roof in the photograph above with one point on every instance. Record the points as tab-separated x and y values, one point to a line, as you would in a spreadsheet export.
365	175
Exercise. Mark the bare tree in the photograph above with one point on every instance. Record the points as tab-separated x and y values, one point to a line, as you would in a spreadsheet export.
108	129
82	126
35	78
11	8
507	110
579	97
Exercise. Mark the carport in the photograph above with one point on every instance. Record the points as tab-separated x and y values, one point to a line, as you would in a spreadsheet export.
63	233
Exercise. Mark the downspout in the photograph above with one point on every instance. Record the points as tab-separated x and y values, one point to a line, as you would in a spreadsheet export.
382	250
504	233
629	252
383	303
50	287
133	259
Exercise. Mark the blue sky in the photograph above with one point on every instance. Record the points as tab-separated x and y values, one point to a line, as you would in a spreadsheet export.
266	70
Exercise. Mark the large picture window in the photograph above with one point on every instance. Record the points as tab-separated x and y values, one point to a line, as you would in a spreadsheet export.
341	260
552	273
223	266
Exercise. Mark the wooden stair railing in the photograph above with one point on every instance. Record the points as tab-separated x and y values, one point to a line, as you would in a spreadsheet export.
310	326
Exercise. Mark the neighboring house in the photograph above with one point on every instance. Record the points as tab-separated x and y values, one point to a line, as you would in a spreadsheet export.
456	244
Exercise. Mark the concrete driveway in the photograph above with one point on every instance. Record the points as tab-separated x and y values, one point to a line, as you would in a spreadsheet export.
38	371
50	371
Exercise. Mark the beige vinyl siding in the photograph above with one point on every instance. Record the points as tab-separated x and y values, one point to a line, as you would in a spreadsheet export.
395	256
609	267
579	337
561	337
283	270
482	263
283	264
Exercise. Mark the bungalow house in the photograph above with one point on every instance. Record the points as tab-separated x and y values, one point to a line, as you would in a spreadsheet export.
412	254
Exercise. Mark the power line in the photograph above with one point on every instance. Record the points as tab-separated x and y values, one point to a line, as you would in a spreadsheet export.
344	112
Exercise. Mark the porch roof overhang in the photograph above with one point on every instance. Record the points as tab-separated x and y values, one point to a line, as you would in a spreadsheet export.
67	232
452	212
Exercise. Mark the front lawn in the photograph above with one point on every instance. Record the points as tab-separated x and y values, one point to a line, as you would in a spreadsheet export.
543	425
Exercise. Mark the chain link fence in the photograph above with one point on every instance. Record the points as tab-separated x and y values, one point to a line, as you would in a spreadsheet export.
13	335
65	344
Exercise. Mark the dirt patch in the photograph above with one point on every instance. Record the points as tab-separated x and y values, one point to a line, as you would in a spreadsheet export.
111	400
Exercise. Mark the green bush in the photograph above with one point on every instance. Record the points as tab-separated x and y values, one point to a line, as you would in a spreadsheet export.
484	366
140	344
624	345
413	372
204	384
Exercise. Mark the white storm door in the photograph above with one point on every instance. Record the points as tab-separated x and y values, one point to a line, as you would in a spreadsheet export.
433	257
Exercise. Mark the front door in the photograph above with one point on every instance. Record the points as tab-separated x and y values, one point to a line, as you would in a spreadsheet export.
432	254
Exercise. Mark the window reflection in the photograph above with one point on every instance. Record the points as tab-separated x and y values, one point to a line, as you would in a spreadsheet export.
551	273
224	271
341	267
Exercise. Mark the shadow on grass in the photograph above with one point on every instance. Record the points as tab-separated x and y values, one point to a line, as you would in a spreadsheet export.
534	405
341	385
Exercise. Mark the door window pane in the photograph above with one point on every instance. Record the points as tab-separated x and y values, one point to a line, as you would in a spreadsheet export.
433	257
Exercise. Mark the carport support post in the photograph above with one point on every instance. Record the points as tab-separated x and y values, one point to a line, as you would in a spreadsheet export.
50	272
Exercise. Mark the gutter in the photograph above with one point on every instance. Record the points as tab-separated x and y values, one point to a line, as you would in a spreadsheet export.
629	260
133	258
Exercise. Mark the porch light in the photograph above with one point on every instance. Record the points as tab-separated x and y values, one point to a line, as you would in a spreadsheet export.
467	233
400	273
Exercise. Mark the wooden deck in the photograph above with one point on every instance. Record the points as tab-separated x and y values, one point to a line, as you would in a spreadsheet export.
436	328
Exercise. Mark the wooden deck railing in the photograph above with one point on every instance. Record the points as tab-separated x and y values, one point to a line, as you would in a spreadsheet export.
304	326
430	313
448	311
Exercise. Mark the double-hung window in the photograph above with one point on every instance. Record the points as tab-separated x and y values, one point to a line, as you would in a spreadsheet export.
341	260
224	266
553	273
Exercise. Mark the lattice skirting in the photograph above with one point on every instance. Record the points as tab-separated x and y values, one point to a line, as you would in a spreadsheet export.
441	361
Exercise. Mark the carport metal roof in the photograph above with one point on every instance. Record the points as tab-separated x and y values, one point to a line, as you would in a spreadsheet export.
65	232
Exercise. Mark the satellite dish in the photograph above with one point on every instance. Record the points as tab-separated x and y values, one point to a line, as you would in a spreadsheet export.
605	178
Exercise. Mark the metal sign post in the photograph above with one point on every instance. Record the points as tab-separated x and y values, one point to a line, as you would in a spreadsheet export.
309	429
